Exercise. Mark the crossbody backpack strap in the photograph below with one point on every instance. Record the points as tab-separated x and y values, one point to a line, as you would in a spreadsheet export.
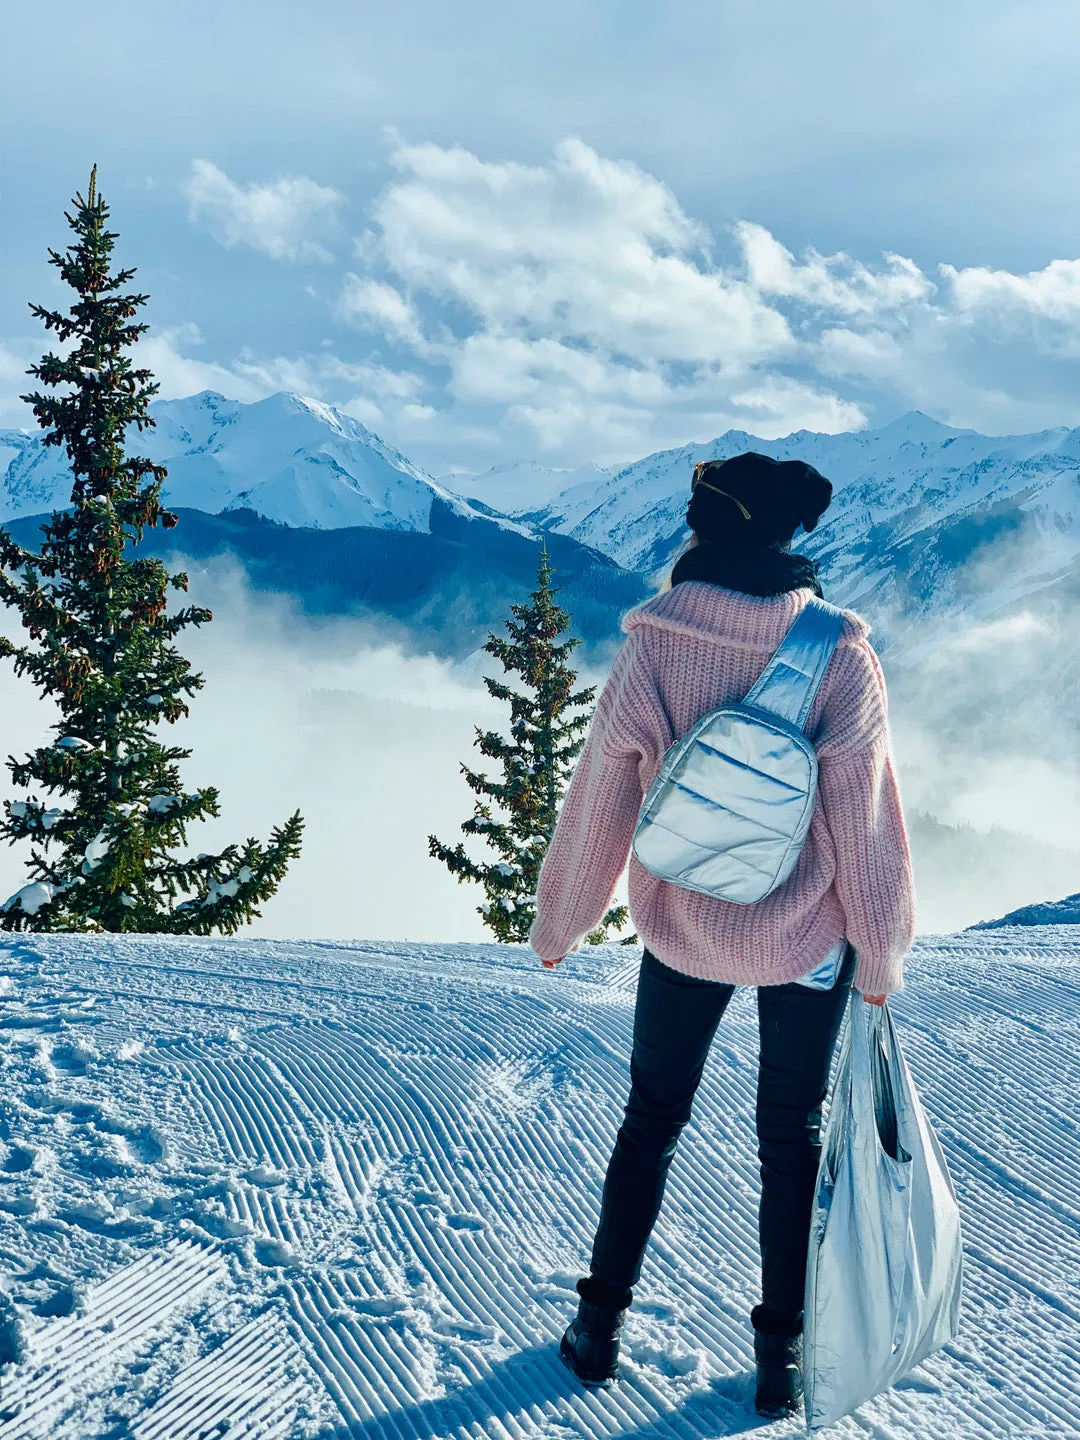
790	681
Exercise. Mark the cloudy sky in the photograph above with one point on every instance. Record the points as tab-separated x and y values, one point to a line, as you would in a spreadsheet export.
568	232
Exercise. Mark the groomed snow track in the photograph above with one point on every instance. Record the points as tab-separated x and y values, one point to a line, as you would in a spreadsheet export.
281	1189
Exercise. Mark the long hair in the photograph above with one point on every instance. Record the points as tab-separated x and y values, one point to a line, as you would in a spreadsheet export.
694	542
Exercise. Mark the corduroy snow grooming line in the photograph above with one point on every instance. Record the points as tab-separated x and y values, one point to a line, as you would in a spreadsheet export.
729	810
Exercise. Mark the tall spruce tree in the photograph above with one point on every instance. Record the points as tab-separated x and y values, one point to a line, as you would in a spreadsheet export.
104	808
516	815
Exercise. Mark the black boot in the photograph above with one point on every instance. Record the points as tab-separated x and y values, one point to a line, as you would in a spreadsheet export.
590	1345
778	1353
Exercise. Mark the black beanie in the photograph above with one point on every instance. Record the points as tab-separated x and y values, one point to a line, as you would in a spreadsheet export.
777	495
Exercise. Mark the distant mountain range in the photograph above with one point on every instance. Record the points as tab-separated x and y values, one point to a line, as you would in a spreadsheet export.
926	521
312	504
295	461
928	524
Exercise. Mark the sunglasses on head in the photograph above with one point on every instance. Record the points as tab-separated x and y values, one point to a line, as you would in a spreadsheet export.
696	480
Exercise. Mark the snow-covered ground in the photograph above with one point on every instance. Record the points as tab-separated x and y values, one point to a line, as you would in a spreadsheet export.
256	1188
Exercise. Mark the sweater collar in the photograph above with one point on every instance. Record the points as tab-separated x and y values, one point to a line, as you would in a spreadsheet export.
701	610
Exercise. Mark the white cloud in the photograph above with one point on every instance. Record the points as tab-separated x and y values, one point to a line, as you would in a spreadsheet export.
178	374
286	219
374	305
584	248
777	398
375	379
829	282
851	352
15	356
573	306
376	395
364	410
506	368
1053	291
1041	308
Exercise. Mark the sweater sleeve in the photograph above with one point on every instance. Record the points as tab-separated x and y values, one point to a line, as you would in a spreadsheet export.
861	801
592	839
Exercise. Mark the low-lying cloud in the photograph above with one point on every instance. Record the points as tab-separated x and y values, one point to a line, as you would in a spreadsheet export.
366	741
329	719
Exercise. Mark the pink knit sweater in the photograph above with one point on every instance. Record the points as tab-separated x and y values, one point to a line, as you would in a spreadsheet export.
687	651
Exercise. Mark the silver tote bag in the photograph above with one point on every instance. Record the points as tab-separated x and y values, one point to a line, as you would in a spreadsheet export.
883	1277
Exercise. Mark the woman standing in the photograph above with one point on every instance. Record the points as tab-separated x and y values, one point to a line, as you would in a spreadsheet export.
700	644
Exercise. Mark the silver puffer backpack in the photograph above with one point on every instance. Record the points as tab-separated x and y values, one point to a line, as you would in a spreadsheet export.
729	810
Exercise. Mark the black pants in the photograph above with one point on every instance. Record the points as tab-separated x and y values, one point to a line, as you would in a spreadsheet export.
675	1020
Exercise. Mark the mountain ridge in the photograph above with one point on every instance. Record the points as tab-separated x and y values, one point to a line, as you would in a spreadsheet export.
929	522
293	459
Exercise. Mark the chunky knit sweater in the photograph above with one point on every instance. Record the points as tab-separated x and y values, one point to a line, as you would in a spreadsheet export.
687	651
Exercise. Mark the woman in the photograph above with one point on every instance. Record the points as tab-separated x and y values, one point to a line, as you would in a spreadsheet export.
700	644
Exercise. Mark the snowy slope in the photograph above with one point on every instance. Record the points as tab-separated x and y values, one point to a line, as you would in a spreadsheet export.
636	513
525	488
1047	912
12	444
278	1189
290	459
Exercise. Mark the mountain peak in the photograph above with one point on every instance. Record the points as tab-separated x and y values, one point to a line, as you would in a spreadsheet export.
291	458
917	425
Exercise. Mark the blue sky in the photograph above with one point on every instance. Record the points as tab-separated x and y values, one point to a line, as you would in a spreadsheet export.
568	232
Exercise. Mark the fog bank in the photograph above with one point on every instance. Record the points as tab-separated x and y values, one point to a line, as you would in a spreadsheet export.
366	741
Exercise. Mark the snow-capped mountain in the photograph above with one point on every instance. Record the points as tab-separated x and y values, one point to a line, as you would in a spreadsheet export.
524	487
906	474
312	504
290	459
918	508
927	520
12	444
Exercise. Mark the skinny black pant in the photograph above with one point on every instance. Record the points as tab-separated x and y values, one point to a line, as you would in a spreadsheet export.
675	1019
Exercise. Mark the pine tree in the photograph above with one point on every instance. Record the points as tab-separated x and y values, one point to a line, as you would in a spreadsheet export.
516	815
101	649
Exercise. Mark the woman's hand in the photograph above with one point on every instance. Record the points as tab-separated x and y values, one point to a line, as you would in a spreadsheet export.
874	999
550	964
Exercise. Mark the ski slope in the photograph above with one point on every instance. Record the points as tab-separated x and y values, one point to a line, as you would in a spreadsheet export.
292	1189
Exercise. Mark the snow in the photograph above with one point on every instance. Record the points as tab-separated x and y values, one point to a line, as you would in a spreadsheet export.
30	898
33	812
73	742
226	889
916	501
1048	912
12	444
524	487
289	458
97	849
284	1189
910	499
161	804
